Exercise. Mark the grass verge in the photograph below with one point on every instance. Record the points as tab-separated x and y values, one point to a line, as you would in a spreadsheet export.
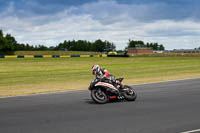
32	76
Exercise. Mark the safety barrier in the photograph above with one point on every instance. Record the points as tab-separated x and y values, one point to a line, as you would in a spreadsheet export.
10	56
51	56
118	56
28	56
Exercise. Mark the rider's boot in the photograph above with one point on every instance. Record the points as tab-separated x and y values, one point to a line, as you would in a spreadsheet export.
120	88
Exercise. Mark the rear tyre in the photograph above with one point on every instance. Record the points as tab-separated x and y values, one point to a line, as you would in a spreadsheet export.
99	96
129	93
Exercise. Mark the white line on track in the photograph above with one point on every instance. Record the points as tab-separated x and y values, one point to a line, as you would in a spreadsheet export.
192	131
72	91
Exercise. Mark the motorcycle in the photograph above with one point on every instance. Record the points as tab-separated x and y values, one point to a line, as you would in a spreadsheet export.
103	91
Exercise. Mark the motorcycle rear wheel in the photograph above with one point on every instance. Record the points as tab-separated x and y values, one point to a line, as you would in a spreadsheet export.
129	94
101	98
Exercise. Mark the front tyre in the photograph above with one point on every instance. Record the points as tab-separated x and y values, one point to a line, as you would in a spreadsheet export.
129	93
99	96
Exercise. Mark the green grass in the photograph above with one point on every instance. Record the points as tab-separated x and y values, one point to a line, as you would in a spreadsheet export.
30	76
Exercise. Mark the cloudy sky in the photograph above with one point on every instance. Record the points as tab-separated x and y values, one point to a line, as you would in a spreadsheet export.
173	23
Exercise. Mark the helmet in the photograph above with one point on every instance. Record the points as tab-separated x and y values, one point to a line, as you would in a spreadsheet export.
95	69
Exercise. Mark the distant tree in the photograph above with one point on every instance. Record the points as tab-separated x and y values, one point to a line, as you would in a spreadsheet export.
140	44
83	45
7	43
197	48
11	42
51	48
134	44
109	46
2	42
162	47
148	45
1	39
99	45
42	47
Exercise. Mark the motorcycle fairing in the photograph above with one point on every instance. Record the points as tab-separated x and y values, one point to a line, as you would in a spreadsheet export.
106	85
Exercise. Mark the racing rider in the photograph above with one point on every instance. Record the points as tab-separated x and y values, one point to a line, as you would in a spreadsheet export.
102	73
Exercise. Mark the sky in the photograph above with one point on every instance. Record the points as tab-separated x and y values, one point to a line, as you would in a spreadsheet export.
173	23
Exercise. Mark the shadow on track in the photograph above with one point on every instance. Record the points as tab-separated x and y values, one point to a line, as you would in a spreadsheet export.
90	101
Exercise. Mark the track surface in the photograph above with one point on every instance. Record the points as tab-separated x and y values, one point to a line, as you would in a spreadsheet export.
167	107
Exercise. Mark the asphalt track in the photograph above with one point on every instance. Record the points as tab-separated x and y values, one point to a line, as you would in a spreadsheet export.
166	107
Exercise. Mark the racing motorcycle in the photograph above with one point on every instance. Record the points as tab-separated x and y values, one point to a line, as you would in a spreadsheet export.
103	91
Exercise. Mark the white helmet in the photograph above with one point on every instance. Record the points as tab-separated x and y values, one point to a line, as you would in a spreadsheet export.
95	68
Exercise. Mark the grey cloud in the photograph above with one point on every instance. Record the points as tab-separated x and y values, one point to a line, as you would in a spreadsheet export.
172	33
110	11
106	20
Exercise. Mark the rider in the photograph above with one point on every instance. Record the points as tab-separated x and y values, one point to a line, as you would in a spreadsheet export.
102	73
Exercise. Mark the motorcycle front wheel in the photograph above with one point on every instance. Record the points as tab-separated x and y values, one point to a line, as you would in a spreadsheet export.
99	96
129	93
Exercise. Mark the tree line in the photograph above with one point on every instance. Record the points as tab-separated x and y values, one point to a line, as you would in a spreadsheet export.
8	45
141	44
83	45
197	48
